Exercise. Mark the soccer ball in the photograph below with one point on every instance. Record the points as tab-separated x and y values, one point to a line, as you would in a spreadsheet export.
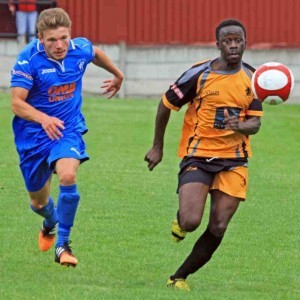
272	83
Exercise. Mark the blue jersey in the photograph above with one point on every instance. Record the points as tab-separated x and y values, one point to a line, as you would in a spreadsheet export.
54	88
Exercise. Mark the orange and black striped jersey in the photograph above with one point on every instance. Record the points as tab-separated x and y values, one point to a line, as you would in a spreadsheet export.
207	94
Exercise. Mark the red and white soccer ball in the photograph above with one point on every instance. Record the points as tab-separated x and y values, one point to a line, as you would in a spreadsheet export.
272	83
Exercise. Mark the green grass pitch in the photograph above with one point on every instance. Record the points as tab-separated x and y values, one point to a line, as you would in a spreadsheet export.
121	235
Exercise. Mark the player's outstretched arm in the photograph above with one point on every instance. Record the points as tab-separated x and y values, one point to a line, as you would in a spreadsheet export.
154	156
22	109
110	86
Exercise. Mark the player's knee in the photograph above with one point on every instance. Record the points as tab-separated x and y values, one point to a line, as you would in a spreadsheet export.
218	228
189	223
38	202
67	178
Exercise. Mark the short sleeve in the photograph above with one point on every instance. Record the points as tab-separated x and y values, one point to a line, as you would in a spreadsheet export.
86	48
255	109
184	89
21	74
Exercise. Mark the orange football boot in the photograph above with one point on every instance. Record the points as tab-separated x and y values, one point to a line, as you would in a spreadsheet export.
64	256
46	238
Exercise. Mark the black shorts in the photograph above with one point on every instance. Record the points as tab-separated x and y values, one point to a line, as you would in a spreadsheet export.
201	169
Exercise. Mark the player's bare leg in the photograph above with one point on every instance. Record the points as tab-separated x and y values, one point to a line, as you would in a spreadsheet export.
222	209
192	199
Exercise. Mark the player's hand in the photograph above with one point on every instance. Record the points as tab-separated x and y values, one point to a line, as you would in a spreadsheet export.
53	127
111	86
153	157
231	122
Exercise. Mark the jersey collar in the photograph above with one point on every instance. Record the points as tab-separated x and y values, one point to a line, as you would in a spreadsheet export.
225	72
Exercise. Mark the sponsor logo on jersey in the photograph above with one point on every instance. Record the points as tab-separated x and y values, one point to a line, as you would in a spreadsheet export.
177	91
45	71
23	62
20	73
61	92
215	93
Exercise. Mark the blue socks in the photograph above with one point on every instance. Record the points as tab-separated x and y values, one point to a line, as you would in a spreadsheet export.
64	214
66	210
48	212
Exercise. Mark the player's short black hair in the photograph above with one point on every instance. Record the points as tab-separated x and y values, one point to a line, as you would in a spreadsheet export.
229	22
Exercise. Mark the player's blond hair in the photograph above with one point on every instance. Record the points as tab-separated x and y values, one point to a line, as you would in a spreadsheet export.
53	18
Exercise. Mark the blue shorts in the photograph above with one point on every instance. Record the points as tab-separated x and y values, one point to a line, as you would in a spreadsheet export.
38	165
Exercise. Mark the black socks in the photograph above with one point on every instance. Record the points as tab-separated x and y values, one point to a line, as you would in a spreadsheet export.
202	252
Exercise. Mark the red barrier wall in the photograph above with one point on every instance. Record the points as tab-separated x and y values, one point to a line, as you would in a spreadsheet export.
147	22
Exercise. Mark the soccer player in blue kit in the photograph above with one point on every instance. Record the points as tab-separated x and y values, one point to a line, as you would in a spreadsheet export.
48	125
